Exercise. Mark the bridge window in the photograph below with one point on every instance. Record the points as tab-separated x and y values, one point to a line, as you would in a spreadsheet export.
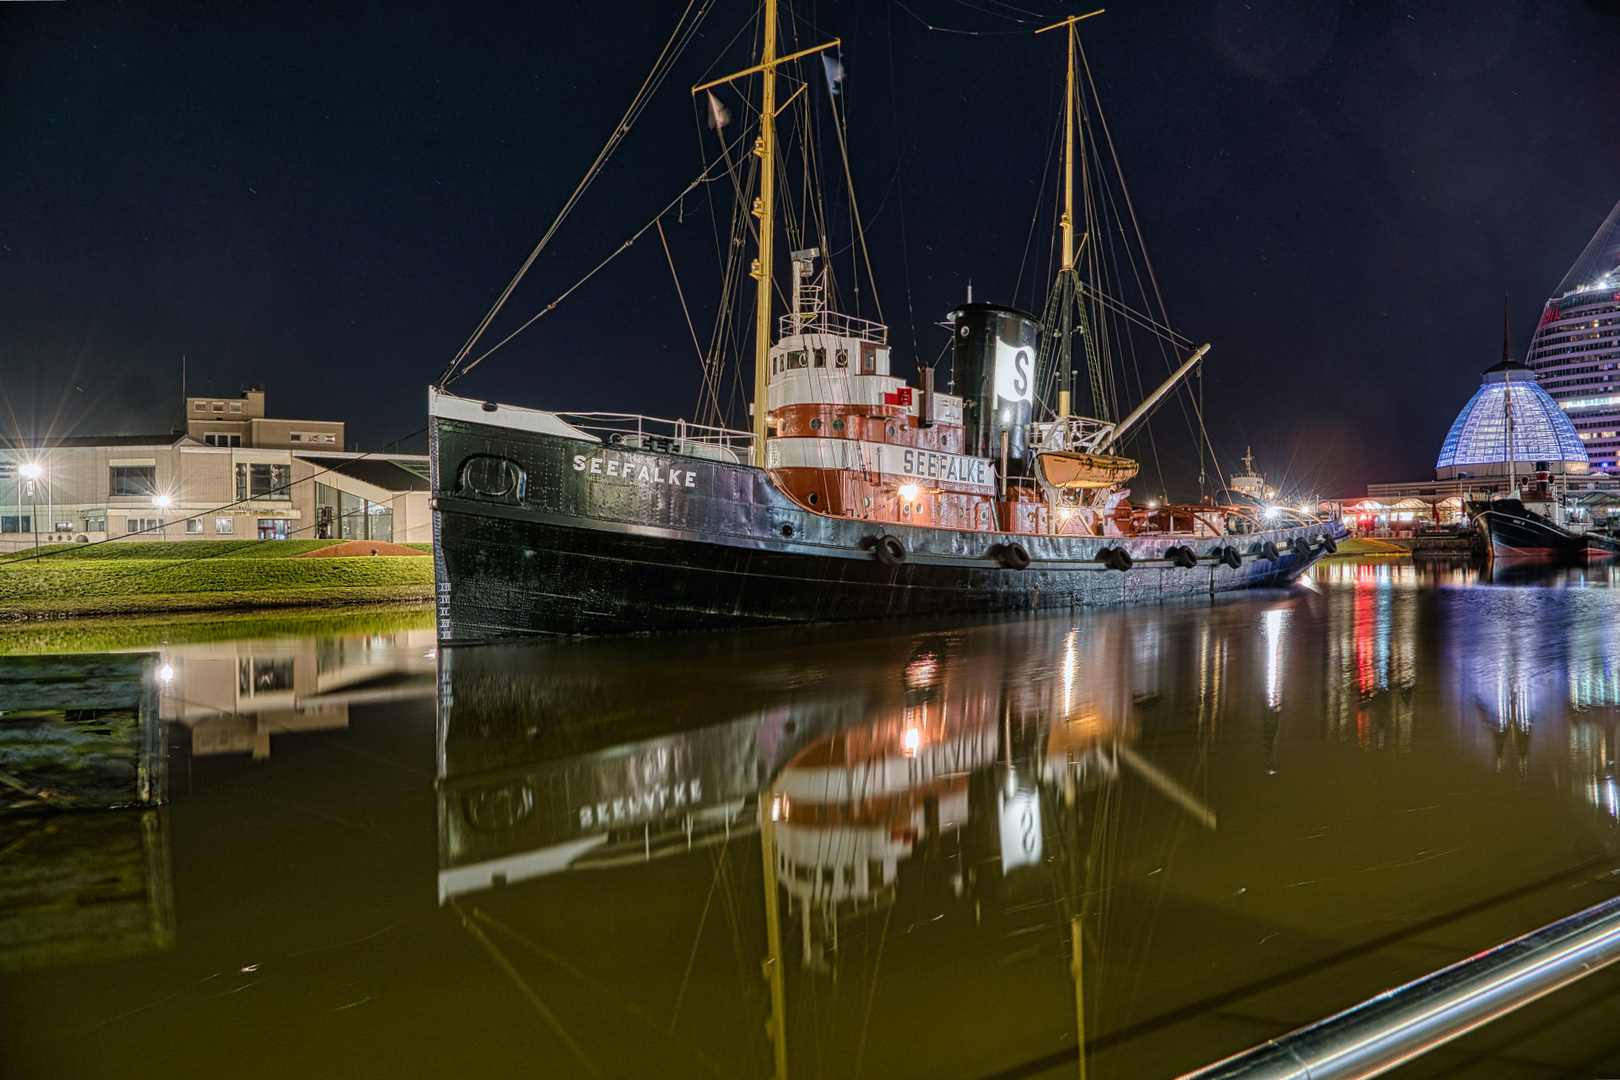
821	358
842	358
798	358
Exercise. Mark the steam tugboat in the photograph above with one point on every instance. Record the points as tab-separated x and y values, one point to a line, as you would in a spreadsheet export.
854	496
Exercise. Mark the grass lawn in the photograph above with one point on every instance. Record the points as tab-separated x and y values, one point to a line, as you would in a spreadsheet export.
200	575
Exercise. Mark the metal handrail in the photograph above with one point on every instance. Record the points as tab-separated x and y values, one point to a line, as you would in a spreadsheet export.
621	424
834	324
1400	1024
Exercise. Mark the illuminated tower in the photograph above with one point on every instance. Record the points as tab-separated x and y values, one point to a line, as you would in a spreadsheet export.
1576	349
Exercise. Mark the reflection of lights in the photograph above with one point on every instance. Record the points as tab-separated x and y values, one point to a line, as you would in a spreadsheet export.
166	673
1271	628
913	739
920	672
777	808
908	491
1069	660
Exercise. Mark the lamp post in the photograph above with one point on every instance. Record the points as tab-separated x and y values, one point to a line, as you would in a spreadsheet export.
31	472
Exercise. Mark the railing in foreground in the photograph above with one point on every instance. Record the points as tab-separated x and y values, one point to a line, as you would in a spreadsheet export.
1400	1024
677	436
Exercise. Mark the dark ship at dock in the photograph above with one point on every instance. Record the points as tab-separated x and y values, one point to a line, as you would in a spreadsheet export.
854	496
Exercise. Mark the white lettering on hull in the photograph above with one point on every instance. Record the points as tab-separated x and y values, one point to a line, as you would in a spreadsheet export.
637	470
940	469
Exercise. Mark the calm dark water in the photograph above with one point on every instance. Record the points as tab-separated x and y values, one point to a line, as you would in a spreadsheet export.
549	860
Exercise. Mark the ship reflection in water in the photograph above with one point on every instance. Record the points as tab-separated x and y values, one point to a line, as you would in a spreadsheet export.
861	851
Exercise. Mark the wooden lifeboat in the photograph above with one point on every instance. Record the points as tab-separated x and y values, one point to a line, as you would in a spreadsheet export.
1071	469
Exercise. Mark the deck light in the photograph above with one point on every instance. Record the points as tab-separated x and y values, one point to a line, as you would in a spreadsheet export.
161	501
166	673
913	740
908	491
1271	511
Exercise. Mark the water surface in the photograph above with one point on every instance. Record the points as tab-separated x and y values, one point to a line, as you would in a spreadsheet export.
549	860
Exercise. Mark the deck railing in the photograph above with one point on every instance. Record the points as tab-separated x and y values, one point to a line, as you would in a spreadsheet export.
639	432
834	324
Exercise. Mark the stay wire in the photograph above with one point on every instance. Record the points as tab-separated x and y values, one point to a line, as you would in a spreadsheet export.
678	40
702	178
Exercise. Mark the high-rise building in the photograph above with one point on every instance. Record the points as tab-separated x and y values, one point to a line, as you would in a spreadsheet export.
1575	352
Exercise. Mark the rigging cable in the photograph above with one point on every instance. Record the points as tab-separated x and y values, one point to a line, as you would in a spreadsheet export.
702	178
678	40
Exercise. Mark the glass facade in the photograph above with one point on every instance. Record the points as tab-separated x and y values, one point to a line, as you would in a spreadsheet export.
1541	431
1576	357
342	516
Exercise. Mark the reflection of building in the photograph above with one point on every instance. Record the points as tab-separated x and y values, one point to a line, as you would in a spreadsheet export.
235	695
272	479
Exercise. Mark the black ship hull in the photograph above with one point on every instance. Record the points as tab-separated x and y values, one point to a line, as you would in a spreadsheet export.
1514	533
540	532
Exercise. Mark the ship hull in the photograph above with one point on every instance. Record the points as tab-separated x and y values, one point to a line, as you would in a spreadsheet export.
1516	535
591	538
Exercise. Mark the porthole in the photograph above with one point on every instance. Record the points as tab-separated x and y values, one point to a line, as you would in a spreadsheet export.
815	425
838	425
891	430
905	508
866	502
787	532
814	498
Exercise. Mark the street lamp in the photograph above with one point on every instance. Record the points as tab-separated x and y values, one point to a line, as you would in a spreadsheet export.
162	503
31	472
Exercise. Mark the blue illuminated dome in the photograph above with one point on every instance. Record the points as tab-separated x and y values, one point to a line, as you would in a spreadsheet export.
1477	444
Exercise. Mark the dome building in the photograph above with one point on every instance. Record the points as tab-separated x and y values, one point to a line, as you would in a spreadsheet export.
1543	437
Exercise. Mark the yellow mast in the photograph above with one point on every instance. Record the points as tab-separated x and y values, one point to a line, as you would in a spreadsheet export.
764	210
1067	221
764	206
1068	211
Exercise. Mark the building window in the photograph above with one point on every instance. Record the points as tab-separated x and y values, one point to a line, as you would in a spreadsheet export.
236	406
143	525
295	437
95	524
329	438
14	523
193	525
261	481
219	406
221	439
199	406
274	528
133	480
63	526
224	526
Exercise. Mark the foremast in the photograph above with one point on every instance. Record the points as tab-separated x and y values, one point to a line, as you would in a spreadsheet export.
764	211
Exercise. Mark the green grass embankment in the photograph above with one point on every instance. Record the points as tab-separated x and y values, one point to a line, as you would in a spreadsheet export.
1359	545
202	575
151	630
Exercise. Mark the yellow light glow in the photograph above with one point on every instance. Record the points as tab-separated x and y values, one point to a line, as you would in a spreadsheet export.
913	739
908	491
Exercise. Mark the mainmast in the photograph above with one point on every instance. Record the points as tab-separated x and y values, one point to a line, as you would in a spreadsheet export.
764	210
1066	276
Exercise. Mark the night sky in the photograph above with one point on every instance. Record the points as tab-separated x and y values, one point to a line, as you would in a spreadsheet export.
326	198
